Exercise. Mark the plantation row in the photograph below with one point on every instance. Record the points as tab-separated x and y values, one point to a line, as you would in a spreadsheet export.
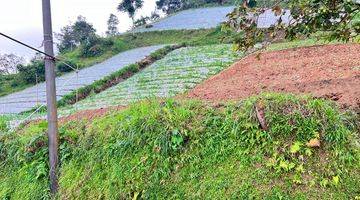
179	71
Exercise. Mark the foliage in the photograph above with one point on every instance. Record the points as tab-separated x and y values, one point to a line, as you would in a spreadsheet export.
334	18
130	7
34	72
141	21
92	47
112	24
73	35
63	67
169	6
3	125
190	150
9	63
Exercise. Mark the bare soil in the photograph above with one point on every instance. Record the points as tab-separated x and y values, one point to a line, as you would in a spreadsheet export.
329	71
89	115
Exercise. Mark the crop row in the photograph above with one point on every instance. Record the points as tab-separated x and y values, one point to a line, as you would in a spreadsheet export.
176	73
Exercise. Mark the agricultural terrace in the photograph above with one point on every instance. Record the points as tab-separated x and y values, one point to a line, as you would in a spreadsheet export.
176	73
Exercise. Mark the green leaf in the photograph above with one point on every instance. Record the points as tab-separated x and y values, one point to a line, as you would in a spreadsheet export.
336	180
295	147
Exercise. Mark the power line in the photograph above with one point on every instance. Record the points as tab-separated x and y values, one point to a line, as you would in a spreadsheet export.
37	50
26	45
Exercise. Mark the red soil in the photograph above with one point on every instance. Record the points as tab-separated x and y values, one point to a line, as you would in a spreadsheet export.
89	115
331	71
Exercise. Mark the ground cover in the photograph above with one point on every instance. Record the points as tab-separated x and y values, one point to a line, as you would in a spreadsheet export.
189	150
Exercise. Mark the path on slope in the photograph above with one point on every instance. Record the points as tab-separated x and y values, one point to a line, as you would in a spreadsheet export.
330	71
35	95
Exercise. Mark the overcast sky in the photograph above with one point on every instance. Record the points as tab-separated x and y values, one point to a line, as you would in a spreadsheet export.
22	19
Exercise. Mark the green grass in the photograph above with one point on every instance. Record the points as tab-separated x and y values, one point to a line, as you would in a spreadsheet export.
6	86
190	150
129	41
3	124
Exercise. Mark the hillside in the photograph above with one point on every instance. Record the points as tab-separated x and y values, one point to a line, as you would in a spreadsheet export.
188	150
177	72
179	114
328	71
113	46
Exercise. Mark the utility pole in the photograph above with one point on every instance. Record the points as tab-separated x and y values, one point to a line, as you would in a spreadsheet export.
53	135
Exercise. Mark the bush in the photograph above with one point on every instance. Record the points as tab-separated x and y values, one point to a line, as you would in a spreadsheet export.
91	48
61	67
31	73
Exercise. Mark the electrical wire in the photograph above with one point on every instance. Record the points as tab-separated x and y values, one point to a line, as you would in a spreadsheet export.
37	50
49	56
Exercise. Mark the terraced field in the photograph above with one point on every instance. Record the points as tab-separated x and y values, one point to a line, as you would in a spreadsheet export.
35	95
179	71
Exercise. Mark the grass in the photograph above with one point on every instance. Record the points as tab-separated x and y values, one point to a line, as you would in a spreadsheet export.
190	150
3	124
130	41
6	85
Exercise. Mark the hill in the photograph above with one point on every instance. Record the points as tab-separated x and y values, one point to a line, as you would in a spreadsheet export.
188	150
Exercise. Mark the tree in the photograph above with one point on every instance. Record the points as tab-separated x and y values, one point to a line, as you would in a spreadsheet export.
335	19
169	6
32	72
9	63
141	21
82	30
112	23
154	16
130	7
66	38
73	35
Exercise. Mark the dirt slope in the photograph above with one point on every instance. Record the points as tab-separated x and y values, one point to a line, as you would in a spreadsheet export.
331	71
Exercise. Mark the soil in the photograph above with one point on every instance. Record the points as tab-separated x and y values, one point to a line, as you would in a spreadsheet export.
329	71
89	115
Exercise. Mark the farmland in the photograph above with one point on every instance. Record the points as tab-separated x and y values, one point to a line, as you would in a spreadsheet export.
196	119
179	71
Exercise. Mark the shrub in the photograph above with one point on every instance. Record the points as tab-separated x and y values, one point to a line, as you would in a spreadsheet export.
91	48
31	73
62	67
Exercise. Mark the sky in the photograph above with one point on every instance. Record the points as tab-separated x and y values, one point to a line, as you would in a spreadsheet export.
22	19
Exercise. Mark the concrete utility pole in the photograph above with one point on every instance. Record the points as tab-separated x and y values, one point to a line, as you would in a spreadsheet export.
53	135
